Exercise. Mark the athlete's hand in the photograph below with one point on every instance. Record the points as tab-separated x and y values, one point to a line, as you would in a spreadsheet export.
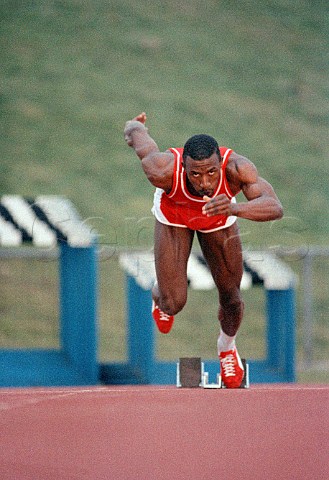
132	125
141	118
220	205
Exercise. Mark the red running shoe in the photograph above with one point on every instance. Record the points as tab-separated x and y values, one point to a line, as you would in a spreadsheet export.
231	367
163	320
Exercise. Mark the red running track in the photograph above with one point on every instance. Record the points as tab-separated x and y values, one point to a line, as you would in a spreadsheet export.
153	432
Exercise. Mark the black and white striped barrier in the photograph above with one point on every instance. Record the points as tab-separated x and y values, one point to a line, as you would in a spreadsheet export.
44	221
260	268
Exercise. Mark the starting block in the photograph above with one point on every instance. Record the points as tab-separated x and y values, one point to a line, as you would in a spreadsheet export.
190	374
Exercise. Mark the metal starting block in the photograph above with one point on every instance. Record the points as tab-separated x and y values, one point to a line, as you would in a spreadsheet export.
191	374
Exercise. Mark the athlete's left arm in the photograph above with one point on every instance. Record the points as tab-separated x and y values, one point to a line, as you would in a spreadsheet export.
262	205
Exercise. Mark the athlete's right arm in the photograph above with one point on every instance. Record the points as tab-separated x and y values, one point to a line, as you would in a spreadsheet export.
158	166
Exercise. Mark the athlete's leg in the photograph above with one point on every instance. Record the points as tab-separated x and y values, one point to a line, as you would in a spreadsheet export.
223	253
172	247
222	250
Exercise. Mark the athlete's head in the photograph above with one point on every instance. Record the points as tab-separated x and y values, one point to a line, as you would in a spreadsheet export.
201	160
200	146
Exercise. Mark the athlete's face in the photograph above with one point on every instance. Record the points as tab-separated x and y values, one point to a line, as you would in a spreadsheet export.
203	175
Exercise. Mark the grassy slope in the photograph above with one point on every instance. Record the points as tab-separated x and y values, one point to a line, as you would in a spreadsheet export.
254	74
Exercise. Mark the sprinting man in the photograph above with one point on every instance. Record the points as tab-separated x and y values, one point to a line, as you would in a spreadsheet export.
195	193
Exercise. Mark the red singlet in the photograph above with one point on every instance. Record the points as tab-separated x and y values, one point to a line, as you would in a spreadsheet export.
180	208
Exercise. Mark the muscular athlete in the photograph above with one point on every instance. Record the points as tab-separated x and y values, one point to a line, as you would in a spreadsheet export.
195	192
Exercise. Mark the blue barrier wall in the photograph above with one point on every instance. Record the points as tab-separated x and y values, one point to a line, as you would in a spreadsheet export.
75	363
143	367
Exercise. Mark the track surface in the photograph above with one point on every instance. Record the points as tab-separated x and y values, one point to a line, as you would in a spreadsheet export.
153	432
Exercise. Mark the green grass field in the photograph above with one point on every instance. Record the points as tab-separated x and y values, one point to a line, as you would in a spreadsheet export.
254	74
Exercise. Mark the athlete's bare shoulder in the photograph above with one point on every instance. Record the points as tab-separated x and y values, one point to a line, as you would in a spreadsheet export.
159	169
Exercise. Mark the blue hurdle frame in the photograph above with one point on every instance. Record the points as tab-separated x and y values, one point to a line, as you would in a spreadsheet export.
143	367
75	362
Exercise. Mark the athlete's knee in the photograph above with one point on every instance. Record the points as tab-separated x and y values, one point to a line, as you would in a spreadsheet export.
172	304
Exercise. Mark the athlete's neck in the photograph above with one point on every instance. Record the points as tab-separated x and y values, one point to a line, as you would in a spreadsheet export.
191	189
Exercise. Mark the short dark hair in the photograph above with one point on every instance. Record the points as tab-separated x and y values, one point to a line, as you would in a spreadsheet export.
200	146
